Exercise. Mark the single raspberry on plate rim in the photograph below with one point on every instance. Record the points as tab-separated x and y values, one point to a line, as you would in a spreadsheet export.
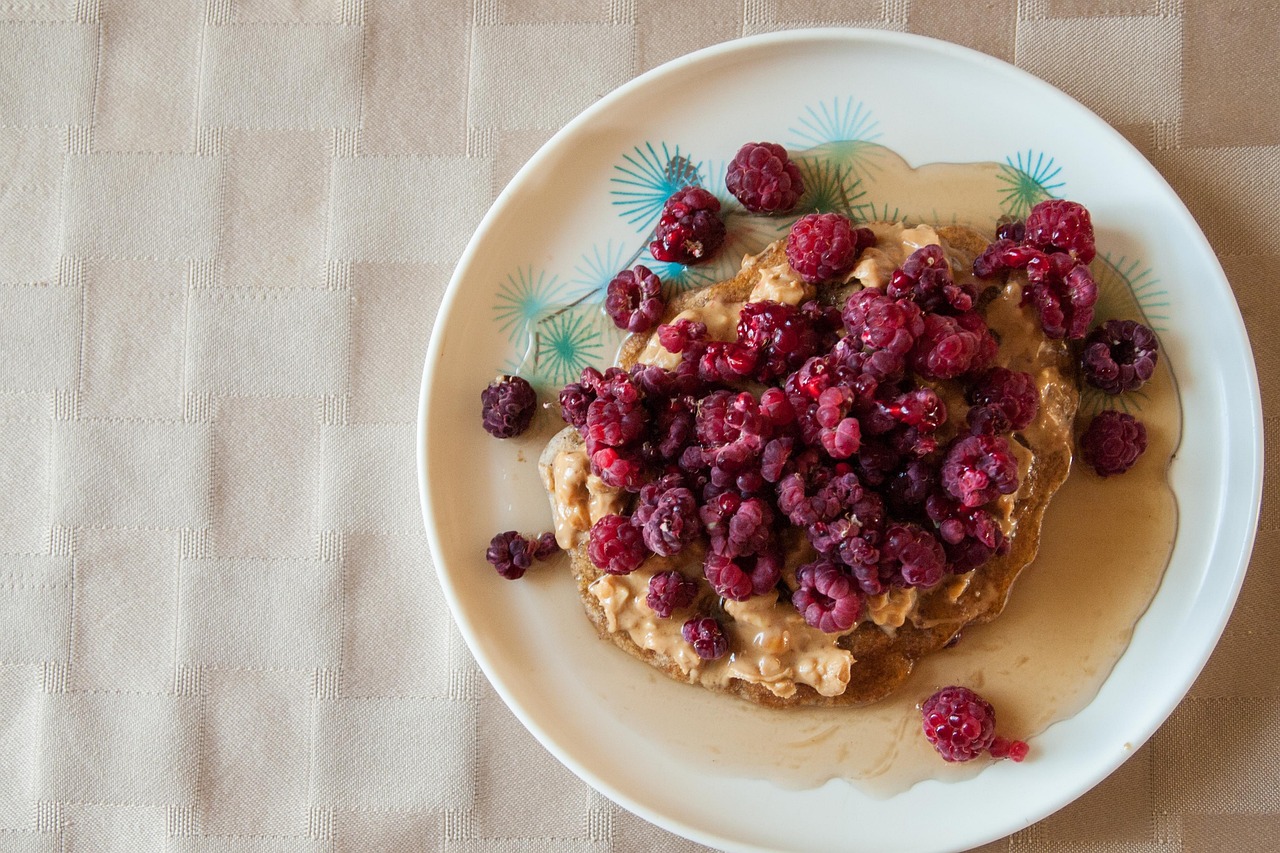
507	406
690	229
512	553
1113	442
961	725
1119	356
764	178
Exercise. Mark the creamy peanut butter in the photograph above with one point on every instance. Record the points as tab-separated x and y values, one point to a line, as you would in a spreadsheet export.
578	498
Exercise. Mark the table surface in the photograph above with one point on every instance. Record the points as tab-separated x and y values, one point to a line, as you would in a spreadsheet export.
219	626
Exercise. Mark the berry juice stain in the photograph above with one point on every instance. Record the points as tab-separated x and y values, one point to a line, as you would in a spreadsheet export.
1104	547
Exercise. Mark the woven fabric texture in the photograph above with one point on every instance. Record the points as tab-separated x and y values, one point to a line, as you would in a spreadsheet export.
219	625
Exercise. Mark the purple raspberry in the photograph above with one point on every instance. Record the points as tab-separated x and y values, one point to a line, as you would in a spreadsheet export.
706	636
690	229
667	516
979	468
827	596
764	179
739	578
507	406
670	591
1119	356
1113	442
634	299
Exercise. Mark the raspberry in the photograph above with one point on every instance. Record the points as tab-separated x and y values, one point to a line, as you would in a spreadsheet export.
1064	302
1013	230
881	322
739	578
616	546
667	518
621	469
1003	400
737	526
1113	442
1063	226
574	400
912	553
978	468
690	229
925	278
922	409
706	636
1119	355
961	725
992	259
827	596
512	554
783	336
670	591
507	406
825	246
953	346
764	179
680	335
634	299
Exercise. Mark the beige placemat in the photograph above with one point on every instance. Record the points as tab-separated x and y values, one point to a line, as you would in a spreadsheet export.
219	628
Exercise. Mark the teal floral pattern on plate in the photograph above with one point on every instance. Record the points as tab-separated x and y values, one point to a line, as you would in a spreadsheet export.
554	320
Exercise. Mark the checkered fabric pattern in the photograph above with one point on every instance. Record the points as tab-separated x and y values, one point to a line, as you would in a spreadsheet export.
219	626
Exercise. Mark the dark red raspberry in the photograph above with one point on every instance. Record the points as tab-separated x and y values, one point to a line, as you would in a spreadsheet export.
764	179
980	468
953	346
690	229
706	636
1003	400
922	409
575	398
880	322
992	259
1113	442
507	406
925	278
912	553
737	525
825	246
512	554
1061	226
670	591
678	336
615	545
961	725
1119	356
634	299
667	516
621	469
827	596
783	336
739	578
1008	228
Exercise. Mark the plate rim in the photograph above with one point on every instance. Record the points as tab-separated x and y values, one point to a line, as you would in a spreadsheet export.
852	38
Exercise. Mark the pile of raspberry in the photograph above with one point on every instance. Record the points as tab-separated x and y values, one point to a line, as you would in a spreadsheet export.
823	420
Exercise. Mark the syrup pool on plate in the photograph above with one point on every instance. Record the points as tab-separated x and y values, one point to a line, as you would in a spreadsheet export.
1104	547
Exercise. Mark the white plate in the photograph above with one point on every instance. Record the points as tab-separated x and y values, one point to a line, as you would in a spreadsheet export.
574	214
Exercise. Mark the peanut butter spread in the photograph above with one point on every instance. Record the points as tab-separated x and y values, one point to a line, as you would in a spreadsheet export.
771	644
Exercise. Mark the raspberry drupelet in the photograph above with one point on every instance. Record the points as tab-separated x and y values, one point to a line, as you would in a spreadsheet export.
764	178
